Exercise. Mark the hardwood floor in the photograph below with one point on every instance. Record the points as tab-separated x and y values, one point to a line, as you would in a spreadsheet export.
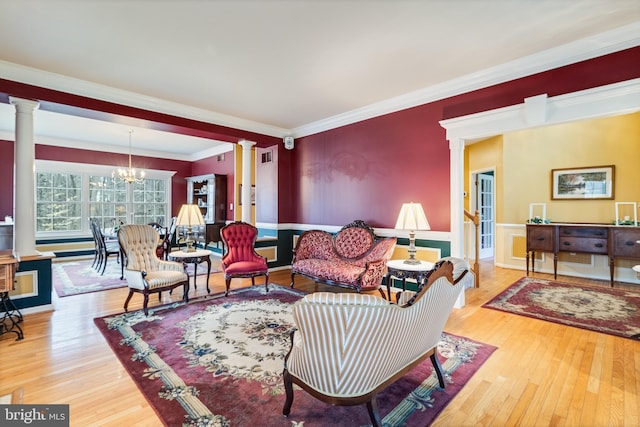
541	374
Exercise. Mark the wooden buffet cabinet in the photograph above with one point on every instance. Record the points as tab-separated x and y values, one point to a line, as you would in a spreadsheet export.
597	239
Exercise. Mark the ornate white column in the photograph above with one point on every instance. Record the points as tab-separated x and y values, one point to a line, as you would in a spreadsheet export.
24	178
456	165
247	174
456	159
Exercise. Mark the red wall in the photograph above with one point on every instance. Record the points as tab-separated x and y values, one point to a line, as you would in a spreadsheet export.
368	169
6	179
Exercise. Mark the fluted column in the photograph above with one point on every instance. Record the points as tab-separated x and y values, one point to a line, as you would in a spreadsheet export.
24	178
247	174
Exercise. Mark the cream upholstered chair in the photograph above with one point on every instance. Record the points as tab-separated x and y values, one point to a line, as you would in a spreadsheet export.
337	360
145	272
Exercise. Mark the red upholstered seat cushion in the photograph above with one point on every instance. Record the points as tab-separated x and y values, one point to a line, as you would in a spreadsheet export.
245	267
333	270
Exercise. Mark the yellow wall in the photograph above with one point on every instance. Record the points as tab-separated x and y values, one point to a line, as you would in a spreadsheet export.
237	209
483	156
523	161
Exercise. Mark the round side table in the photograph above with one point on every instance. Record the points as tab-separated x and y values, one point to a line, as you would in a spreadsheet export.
398	269
196	257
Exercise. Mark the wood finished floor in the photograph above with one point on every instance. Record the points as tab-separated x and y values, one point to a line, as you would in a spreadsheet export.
542	374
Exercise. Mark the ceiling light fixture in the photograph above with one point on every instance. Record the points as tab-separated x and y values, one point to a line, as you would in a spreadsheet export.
129	175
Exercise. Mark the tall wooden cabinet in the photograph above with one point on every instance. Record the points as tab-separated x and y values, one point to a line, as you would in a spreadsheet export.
209	192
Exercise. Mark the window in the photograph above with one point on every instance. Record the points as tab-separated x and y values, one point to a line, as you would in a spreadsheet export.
58	202
149	202
107	201
68	194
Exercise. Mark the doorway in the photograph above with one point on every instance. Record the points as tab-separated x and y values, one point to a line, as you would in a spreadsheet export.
483	201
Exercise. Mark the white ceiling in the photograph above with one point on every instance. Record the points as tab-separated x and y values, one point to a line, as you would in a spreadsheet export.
284	67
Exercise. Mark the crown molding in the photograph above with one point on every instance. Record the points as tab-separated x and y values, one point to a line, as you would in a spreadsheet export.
592	47
48	80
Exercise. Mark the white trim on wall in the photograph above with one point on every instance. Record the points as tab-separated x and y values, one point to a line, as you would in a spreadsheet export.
609	100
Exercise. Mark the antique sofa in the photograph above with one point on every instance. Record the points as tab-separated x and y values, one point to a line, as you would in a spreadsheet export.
353	258
340	364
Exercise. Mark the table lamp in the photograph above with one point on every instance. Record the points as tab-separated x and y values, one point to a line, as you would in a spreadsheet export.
189	216
412	218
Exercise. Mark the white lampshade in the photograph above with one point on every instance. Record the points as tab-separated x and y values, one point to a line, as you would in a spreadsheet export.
412	218
189	215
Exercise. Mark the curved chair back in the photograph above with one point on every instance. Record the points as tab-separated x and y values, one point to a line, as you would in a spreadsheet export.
139	243
239	239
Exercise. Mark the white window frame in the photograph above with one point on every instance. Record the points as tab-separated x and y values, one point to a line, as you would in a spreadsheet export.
86	169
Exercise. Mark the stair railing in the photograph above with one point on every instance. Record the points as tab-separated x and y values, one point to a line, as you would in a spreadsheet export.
475	218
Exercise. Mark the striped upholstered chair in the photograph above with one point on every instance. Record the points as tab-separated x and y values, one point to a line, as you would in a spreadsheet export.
145	272
329	362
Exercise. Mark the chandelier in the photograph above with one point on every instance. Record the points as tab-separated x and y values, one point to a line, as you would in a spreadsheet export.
129	175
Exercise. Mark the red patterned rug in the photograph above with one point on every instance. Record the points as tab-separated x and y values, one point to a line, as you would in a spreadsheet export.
218	361
608	310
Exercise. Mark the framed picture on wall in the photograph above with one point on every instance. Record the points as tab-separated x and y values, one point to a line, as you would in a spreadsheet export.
587	183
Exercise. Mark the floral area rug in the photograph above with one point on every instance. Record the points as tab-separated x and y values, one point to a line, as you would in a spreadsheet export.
608	310
78	277
218	361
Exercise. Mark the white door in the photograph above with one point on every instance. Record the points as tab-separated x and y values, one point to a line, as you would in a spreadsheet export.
485	203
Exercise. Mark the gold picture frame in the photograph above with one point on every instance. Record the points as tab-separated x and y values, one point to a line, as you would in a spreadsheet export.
584	183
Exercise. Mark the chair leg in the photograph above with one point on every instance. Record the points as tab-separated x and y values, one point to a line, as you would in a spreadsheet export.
438	368
185	295
292	274
104	267
266	282
126	302
145	304
288	387
228	283
372	408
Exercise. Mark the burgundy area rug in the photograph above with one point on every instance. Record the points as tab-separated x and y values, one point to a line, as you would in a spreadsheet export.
78	277
219	360
607	310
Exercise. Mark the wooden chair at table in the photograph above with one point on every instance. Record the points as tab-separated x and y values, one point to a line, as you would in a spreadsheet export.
162	244
104	247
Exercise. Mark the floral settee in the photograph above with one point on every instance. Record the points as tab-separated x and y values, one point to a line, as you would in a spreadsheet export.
353	258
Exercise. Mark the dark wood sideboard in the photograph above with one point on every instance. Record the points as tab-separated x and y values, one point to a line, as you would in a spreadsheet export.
598	239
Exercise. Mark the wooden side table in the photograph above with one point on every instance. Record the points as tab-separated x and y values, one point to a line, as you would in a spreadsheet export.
196	257
398	269
10	316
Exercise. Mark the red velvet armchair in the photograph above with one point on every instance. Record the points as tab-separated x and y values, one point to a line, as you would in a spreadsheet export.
240	258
